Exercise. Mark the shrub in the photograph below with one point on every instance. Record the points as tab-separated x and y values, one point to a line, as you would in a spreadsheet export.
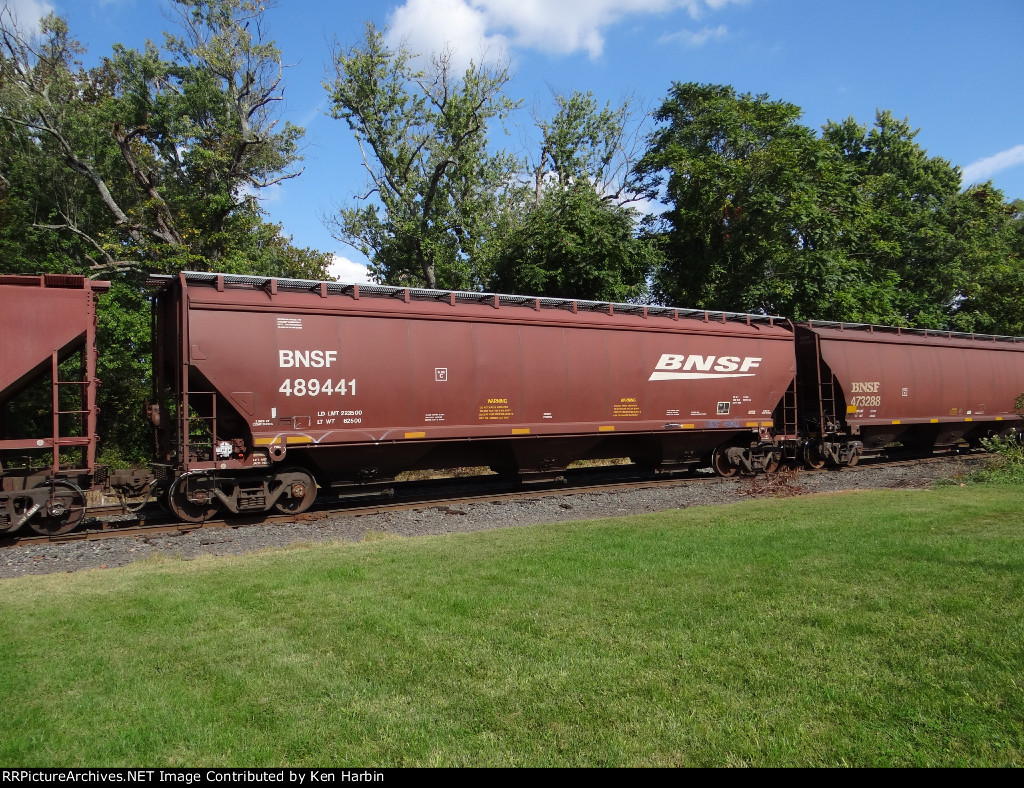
1007	463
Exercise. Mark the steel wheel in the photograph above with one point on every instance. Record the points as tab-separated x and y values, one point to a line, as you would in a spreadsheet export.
854	458
299	492
62	512
813	457
201	508
721	464
773	463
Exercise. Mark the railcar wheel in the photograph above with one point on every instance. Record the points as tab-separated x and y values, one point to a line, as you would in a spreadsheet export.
62	512
201	507
720	463
813	457
772	463
854	458
299	494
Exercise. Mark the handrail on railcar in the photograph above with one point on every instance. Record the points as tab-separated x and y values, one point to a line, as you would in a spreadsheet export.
239	281
901	330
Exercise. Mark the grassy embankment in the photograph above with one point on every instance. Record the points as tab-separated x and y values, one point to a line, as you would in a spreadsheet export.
881	628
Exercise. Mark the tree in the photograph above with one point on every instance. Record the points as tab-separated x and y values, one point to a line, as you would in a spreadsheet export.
904	233
434	187
575	236
859	225
150	157
574	245
990	235
149	161
581	145
756	202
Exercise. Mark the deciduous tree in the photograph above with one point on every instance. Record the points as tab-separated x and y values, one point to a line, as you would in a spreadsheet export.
434	185
146	159
756	201
575	235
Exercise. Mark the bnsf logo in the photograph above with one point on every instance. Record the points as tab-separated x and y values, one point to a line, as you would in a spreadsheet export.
698	367
307	358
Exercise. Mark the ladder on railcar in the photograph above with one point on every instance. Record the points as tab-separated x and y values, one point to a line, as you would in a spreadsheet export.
789	422
83	418
831	418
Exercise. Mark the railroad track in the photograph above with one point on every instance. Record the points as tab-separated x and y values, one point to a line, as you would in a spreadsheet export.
108	522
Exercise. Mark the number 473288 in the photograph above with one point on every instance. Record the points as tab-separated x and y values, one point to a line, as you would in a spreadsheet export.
300	387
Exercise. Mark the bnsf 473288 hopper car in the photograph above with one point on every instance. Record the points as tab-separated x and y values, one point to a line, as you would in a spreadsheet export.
273	386
863	388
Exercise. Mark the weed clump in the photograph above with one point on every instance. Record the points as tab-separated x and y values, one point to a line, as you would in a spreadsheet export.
1006	465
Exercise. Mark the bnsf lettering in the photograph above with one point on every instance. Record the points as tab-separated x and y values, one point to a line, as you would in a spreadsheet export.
307	358
669	361
865	388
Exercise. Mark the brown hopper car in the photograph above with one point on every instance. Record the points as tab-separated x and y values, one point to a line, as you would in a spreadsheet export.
47	321
278	385
863	388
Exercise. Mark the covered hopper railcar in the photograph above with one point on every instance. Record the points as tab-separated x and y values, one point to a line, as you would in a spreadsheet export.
271	387
863	388
49	341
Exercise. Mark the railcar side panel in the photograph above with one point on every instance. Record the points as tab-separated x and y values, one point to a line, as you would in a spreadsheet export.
919	388
54	317
307	371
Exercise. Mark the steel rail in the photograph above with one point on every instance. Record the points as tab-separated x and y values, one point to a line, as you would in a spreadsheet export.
162	523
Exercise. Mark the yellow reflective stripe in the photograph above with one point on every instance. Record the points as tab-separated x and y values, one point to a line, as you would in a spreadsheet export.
520	430
415	434
609	428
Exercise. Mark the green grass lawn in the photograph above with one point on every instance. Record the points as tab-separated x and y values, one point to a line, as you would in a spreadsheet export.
877	628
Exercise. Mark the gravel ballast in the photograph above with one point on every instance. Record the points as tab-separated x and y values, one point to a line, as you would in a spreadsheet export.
431	519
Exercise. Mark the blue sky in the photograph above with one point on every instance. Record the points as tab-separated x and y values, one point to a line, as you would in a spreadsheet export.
951	66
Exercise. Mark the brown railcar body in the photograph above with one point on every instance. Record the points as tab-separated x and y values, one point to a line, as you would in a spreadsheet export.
927	390
46	321
353	384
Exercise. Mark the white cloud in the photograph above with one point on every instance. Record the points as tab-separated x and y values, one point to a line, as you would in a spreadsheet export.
27	13
983	169
690	38
429	26
475	28
345	270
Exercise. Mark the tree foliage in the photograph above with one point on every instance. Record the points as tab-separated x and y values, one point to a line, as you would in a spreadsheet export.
434	186
756	200
151	159
576	236
574	244
858	224
148	162
582	144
